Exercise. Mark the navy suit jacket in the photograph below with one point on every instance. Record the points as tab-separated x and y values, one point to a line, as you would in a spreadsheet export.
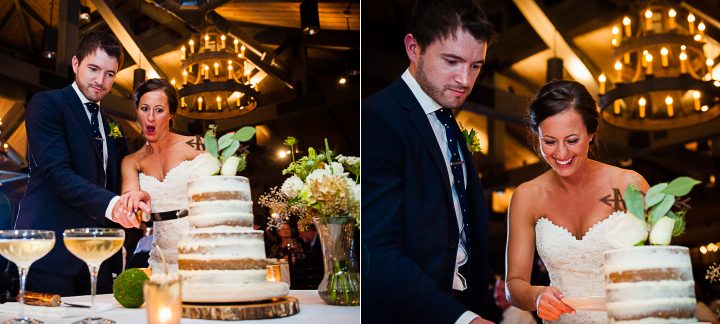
68	187
409	228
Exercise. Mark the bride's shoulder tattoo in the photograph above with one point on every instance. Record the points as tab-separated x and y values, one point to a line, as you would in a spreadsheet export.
197	143
614	199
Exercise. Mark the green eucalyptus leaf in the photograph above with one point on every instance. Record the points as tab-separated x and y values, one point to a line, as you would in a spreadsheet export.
655	195
661	209
243	163
228	152
211	144
224	141
679	227
244	134
634	202
680	186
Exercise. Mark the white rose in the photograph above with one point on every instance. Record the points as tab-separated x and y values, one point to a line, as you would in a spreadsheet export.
626	230
317	174
205	165
292	186
229	168
661	232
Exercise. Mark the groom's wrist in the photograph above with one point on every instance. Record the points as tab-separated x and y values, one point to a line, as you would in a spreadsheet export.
466	317
108	210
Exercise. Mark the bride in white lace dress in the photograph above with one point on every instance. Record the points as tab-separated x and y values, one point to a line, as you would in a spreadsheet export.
161	168
564	212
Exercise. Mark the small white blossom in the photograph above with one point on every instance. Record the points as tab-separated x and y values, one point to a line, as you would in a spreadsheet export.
292	186
336	168
661	232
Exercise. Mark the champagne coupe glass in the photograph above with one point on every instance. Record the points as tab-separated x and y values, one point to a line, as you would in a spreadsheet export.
93	245
23	247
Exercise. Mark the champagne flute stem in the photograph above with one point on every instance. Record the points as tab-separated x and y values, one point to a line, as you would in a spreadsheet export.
93	286
23	275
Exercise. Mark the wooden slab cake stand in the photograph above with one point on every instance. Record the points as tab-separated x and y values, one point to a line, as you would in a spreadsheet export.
273	308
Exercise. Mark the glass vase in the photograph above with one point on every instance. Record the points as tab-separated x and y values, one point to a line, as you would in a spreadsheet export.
341	280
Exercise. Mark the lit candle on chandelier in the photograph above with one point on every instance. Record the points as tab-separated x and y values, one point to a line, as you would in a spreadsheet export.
664	56
691	23
182	102
648	20
642	102
696	100
222	41
643	61
683	61
192	46
230	70
649	59
207	71
616	107
217	68
602	80
618	69
701	29
242	48
616	36
207	42
182	53
669	104
173	82
626	24
218	103
671	19
200	101
185	77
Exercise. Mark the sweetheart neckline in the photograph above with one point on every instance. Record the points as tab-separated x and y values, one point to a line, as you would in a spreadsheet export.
590	229
166	174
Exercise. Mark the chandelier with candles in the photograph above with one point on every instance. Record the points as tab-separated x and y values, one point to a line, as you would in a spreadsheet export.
216	77
662	78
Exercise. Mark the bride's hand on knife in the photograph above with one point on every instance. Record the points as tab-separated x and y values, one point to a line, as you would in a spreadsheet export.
125	208
549	306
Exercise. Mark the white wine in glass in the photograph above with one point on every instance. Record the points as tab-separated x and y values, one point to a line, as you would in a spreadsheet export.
93	245
23	247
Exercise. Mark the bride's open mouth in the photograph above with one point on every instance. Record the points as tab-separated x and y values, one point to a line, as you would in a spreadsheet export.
150	130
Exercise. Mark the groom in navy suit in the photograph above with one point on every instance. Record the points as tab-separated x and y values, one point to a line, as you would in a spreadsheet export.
424	231
74	153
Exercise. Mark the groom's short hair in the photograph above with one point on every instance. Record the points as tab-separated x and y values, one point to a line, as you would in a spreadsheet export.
98	39
432	20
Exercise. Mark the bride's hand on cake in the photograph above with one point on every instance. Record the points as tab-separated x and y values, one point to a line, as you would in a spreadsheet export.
549	306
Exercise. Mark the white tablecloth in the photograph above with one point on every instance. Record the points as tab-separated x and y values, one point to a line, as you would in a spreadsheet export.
312	310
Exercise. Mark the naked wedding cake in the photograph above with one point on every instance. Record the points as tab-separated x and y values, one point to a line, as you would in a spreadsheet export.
222	259
649	284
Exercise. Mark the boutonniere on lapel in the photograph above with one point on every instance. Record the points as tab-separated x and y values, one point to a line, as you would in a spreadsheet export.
114	130
471	139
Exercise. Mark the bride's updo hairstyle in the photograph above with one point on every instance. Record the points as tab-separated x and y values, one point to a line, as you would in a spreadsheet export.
158	84
557	96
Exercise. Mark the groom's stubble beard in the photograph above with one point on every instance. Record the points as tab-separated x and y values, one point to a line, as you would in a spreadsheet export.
436	91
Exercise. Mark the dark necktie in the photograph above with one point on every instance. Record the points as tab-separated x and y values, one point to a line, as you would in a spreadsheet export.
94	108
452	132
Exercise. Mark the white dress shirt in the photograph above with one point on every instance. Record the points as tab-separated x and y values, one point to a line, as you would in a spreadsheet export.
84	100
430	106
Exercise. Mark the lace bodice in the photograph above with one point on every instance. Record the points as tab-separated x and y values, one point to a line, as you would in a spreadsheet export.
575	266
167	195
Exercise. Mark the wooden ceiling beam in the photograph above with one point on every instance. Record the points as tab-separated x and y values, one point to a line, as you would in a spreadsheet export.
26	29
5	18
68	36
548	32
122	31
29	10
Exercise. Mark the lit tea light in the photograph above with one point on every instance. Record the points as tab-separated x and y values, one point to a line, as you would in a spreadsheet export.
642	102
163	300
691	23
671	18
696	100
626	24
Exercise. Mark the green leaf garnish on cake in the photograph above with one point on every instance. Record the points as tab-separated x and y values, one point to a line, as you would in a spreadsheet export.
653	214
225	155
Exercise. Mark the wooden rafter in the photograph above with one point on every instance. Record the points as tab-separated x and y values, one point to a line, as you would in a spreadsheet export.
23	21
